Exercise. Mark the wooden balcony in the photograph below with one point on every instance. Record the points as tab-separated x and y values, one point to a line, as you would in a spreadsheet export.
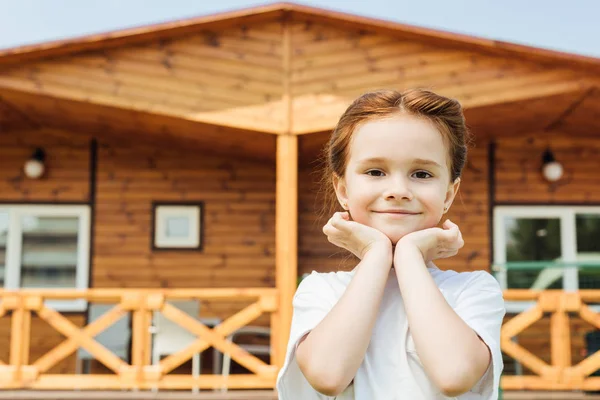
142	378
560	374
19	372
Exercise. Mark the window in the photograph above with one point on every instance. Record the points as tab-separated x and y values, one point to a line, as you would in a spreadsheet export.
177	226
45	247
549	247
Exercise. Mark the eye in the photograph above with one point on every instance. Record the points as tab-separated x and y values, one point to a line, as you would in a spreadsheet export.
374	172
422	175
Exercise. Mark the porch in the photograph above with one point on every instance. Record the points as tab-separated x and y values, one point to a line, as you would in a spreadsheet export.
235	395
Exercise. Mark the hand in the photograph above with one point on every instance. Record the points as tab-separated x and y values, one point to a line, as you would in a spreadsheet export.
434	243
355	237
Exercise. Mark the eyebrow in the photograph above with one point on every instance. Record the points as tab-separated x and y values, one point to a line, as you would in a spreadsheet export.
420	161
426	162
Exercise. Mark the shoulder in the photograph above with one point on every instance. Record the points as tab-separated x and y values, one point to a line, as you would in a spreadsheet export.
481	281
322	285
316	279
473	287
471	280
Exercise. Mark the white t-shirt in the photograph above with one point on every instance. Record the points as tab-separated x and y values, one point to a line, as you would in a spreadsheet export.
391	368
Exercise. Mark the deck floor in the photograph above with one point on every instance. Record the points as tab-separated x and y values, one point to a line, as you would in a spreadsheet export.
232	395
138	395
535	395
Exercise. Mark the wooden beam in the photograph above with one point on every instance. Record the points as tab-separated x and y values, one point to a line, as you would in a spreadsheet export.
237	118
286	225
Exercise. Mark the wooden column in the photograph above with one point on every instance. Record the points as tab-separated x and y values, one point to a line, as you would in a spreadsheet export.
286	203
286	240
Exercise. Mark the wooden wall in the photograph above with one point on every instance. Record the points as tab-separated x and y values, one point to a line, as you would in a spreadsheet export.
333	64
519	161
519	181
230	77
236	76
67	158
66	180
239	221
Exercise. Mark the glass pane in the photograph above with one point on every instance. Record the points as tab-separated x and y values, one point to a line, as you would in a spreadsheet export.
3	240
533	239
177	227
588	249
49	253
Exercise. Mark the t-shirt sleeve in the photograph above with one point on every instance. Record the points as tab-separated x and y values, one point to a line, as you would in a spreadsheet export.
311	303
481	306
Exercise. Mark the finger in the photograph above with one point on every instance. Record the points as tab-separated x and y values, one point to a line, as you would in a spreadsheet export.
337	220
449	224
452	227
460	239
345	215
328	229
451	236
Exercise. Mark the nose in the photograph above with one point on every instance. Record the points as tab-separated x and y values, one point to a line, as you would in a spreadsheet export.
398	189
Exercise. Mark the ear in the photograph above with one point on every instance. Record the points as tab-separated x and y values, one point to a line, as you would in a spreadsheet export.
341	191
451	194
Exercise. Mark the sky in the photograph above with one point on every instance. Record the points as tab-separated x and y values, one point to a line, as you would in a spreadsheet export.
570	26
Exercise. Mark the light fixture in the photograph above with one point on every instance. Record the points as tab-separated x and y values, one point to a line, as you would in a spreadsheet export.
34	167
551	169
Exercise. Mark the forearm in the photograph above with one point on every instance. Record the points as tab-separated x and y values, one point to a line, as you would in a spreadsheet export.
451	352
332	352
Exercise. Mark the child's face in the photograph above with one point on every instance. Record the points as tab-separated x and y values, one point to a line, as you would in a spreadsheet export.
397	179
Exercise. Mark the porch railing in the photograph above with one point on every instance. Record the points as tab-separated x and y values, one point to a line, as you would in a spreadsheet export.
19	372
560	374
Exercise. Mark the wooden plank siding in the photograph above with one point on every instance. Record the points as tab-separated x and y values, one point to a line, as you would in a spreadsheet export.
226	78
333	65
519	181
519	161
234	76
239	221
68	173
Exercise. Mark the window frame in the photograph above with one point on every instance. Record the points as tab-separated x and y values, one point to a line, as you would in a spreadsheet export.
568	239
14	245
195	214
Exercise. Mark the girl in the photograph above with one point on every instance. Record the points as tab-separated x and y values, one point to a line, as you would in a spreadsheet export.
396	326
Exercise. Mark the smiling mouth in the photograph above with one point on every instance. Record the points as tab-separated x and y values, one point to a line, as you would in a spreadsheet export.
399	213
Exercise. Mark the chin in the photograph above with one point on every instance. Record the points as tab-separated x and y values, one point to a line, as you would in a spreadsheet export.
396	234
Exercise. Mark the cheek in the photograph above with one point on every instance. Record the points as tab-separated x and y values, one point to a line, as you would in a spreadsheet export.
359	213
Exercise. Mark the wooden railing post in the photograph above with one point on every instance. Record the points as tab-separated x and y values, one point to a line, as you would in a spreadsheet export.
140	340
15	303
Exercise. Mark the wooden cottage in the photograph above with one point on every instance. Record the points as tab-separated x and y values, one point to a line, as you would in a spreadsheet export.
177	162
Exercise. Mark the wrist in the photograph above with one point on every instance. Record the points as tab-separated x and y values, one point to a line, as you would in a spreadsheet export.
380	250
408	249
